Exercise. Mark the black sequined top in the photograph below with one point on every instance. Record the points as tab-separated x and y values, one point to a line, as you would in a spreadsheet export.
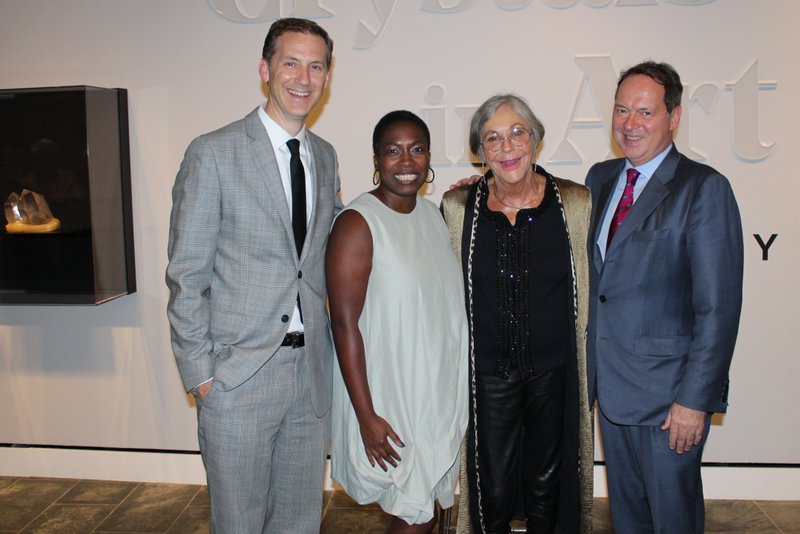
521	287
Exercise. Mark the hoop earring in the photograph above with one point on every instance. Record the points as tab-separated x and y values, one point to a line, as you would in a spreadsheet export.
376	177
433	176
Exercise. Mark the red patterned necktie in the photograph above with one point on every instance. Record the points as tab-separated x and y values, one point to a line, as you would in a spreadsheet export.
624	205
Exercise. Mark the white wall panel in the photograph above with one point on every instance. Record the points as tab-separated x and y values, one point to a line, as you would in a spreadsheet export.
105	376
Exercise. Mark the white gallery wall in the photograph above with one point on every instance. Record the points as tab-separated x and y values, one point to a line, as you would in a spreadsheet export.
100	382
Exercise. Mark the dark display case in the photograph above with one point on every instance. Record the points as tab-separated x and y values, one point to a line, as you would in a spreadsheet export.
69	144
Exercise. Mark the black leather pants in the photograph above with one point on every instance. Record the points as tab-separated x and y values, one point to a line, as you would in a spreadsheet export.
520	424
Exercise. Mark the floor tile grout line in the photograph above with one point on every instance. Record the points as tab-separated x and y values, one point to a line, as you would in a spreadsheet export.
115	507
324	509
51	504
769	517
110	511
72	505
16	479
188	504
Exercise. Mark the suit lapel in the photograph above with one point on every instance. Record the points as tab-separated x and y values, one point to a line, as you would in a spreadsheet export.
263	156
320	164
603	198
649	199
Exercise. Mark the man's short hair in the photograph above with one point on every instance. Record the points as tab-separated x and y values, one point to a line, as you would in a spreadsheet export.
664	74
281	26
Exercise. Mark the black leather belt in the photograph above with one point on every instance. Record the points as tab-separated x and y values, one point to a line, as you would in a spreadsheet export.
294	340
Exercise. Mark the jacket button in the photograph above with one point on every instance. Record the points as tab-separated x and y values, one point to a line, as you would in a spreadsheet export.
602	298
300	274
285	318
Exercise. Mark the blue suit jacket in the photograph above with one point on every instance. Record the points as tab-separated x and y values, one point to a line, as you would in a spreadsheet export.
664	306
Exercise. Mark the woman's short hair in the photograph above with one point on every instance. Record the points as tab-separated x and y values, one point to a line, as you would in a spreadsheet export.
393	117
490	107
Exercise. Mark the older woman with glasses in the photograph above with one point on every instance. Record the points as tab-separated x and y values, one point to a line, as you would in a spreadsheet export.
521	236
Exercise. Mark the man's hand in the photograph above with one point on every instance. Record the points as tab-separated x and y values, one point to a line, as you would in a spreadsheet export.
202	390
466	181
685	427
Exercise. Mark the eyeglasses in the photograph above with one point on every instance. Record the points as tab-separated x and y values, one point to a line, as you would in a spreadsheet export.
518	137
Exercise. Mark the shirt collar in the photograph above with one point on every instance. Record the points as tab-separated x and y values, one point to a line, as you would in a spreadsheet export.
277	135
649	168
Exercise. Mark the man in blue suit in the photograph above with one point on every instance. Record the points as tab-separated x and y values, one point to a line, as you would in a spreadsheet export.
666	260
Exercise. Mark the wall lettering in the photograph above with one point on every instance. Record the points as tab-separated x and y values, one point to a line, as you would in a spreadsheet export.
434	113
765	247
270	10
595	90
746	141
598	84
365	37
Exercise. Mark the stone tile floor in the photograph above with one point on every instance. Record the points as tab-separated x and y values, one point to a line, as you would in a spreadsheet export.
66	506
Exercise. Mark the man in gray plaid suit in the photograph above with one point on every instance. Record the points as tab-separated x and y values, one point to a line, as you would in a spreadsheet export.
247	294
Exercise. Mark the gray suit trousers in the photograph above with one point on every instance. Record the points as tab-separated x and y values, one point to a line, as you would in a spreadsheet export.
263	448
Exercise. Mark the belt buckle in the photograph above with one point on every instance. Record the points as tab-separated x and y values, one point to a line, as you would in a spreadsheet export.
295	338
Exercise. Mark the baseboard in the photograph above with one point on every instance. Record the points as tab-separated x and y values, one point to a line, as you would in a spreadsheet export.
719	482
102	465
740	482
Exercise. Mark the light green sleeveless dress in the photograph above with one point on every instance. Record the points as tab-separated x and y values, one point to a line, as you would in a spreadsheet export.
416	344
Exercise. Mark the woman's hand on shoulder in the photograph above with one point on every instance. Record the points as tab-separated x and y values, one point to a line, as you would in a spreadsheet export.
376	434
466	181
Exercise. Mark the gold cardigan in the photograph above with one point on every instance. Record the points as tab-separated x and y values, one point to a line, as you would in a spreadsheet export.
576	204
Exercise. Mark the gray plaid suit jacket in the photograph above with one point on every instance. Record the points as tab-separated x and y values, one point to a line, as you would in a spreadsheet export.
233	272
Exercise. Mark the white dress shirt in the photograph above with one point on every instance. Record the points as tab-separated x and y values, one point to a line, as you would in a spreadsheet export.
278	137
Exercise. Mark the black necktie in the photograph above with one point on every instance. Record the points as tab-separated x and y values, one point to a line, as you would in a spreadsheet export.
298	195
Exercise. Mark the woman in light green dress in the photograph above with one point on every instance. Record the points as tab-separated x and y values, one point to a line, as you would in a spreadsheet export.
399	326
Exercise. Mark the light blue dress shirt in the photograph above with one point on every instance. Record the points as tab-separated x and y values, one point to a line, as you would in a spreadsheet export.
646	171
